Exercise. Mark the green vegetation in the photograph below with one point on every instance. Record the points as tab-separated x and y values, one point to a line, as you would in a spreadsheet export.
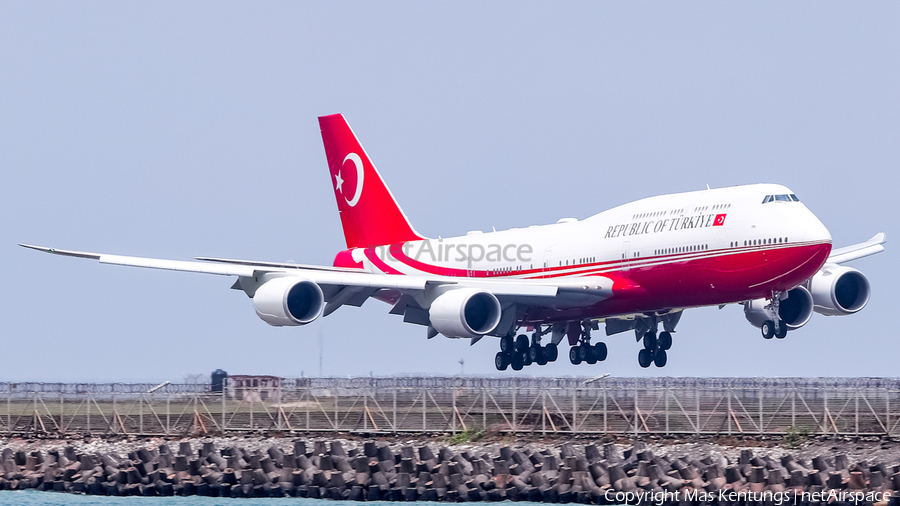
795	436
466	436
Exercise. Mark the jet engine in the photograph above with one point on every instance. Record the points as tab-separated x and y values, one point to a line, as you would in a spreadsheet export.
465	312
795	310
288	301
839	291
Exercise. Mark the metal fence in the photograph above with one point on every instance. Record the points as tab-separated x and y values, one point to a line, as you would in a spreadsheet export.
544	406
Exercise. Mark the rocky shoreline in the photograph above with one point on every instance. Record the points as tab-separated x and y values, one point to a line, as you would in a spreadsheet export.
584	472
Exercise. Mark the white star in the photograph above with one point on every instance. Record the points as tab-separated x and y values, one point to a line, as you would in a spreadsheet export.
338	182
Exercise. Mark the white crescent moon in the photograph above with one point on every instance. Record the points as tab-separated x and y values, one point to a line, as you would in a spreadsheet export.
359	178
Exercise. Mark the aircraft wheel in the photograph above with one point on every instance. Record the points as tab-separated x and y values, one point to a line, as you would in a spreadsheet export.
501	361
660	358
542	356
782	330
650	341
645	358
552	352
518	361
526	356
522	343
600	351
590	355
665	340
535	352
768	329
506	344
574	355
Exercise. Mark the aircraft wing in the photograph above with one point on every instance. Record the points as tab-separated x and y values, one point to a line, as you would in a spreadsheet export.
329	276
857	251
409	294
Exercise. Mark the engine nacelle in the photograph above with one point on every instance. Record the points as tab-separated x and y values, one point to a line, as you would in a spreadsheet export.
839	291
795	310
288	301
465	312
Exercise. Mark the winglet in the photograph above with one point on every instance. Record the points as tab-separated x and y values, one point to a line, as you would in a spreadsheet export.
79	254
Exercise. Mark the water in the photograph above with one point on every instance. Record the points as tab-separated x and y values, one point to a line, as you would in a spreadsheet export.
38	498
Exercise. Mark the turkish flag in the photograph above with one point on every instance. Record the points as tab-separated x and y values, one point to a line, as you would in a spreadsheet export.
720	220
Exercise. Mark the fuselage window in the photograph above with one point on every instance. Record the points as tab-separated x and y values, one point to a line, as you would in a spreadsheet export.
794	198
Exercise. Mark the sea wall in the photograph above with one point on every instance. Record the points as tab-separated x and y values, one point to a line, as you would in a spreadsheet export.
368	470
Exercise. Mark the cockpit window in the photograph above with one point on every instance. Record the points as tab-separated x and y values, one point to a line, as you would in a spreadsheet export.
780	198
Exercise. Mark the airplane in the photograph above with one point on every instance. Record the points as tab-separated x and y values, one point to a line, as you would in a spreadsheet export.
631	268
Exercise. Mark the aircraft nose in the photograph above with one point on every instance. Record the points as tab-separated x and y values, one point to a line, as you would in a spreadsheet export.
816	231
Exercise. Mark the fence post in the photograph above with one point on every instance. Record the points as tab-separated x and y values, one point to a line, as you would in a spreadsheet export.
574	409
794	408
224	389
424	406
61	410
453	413
636	409
543	412
697	392
280	413
605	425
760	393
484	409
89	413
666	393
728	415
394	409
856	401
168	415
825	412
514	419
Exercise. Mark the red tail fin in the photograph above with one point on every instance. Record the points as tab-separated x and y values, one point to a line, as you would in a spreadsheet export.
369	213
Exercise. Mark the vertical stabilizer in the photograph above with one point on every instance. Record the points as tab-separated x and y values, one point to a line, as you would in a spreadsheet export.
369	214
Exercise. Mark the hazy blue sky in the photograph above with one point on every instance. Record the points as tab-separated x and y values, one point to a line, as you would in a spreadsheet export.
181	129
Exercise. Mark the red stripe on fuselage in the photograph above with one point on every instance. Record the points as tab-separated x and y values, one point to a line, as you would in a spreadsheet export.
379	263
680	280
703	281
397	252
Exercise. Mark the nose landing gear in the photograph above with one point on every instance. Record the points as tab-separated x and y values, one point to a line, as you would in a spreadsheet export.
774	328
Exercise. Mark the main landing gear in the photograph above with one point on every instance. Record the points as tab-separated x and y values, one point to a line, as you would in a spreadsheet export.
655	348
583	351
519	352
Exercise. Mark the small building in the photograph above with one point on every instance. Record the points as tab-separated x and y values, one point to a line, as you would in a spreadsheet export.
254	388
